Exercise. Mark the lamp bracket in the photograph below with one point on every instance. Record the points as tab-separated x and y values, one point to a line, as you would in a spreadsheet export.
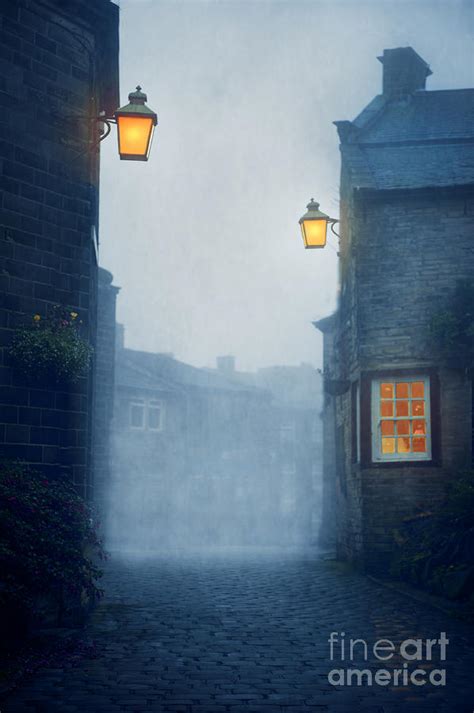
108	123
333	222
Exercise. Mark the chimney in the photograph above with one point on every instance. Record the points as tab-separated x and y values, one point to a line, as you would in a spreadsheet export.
119	336
404	72
226	364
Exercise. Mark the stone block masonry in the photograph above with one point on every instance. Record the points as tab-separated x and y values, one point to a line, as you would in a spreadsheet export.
58	69
407	220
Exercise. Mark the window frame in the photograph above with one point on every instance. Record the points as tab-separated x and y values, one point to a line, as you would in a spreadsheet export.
367	458
137	401
151	403
355	422
377	455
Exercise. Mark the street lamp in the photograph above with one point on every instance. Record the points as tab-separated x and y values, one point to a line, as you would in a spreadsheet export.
314	225
135	126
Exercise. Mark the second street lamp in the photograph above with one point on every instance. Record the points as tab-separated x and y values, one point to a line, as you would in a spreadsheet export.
314	225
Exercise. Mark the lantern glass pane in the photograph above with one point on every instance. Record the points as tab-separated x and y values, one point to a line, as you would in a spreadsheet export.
314	233
134	135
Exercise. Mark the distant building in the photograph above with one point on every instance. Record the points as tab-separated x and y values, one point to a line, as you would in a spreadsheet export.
59	70
205	457
298	435
104	393
400	419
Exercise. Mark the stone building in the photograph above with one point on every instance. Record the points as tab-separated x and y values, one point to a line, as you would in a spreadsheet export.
298	444
186	461
58	70
402	415
211	456
327	530
104	392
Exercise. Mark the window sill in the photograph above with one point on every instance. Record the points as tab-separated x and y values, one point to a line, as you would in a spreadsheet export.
402	464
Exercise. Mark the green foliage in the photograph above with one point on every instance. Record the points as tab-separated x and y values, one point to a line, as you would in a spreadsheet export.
458	511
52	348
436	549
452	329
47	541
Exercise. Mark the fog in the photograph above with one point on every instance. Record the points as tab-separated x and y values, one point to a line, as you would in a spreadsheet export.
204	238
218	457
204	242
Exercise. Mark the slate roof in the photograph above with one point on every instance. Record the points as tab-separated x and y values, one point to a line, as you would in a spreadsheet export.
422	140
406	167
163	372
423	116
129	375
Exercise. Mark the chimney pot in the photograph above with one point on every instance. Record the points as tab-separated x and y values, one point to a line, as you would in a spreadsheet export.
404	72
226	364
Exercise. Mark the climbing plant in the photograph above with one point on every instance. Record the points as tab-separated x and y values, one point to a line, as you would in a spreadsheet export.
452	328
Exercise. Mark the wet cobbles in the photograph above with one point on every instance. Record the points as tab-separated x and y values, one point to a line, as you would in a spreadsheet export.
248	630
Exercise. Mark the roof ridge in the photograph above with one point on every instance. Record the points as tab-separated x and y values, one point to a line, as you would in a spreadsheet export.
427	92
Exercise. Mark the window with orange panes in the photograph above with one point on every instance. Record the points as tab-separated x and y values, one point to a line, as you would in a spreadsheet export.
402	419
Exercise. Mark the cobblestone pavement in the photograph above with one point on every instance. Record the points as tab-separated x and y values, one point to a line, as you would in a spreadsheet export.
208	633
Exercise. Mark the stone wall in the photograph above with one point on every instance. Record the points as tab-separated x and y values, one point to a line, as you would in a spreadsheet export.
410	251
104	388
58	68
402	268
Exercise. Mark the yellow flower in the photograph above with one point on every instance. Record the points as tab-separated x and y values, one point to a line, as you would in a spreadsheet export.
74	315
37	317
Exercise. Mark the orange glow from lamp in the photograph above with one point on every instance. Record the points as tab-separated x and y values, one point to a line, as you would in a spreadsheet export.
314	225
135	126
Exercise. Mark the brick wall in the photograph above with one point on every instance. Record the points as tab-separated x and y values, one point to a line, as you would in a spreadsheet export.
58	67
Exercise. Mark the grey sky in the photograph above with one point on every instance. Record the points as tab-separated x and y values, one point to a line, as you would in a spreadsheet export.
204	238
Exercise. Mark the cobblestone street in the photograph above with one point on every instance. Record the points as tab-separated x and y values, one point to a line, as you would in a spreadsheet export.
208	633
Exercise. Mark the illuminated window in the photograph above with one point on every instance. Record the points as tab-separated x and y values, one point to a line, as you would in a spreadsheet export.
401	419
155	415
137	413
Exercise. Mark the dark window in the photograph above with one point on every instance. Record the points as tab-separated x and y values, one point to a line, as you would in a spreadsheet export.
137	414
155	415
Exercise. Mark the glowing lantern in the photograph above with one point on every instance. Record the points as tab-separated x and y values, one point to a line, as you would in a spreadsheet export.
314	226
135	126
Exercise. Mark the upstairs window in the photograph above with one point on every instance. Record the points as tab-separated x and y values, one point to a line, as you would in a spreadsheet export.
401	419
137	413
155	415
146	414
